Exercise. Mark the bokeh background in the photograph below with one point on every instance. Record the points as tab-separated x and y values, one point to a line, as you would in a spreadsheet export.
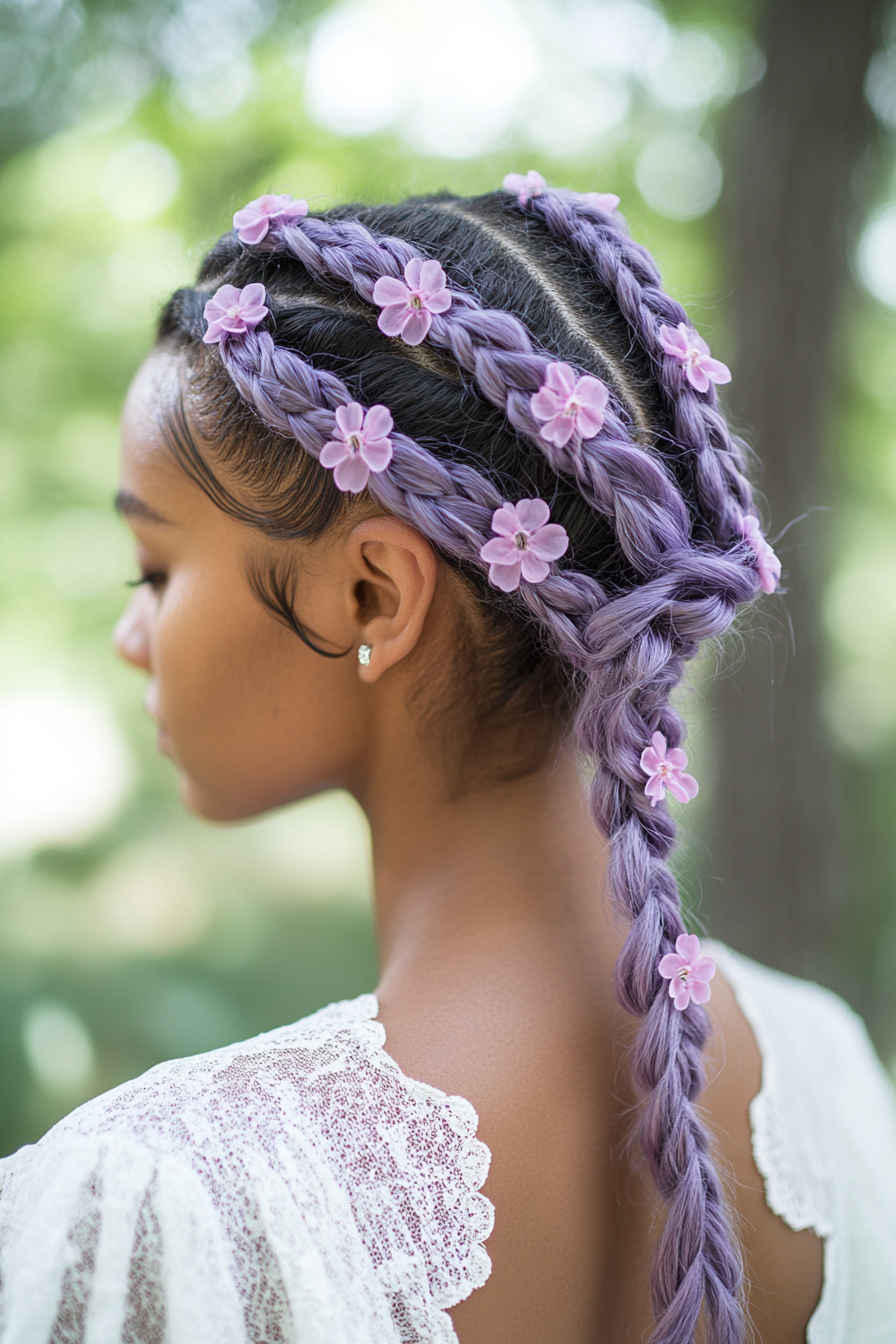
752	146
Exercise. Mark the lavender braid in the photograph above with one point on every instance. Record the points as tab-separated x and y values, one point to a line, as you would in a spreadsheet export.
627	270
628	644
450	503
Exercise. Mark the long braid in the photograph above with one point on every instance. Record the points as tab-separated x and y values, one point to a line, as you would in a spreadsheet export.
627	641
694	1262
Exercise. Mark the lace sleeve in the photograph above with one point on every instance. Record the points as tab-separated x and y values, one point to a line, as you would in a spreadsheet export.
293	1188
101	1241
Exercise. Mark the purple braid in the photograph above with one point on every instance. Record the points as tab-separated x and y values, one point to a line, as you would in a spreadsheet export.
627	270
450	503
673	498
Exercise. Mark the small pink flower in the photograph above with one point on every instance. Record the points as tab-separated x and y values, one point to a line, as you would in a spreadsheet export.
666	770
254	220
524	545
569	406
408	308
525	186
233	312
684	344
360	445
767	562
606	202
688	973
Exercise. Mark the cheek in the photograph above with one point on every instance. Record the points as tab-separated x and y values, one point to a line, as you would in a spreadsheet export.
255	720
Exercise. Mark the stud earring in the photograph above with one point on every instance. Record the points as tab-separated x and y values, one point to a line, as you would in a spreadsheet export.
364	652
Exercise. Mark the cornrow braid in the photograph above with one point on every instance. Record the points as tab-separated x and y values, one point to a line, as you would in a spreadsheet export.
627	271
653	505
452	504
508	366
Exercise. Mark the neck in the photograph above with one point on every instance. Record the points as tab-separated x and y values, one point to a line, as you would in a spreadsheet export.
499	878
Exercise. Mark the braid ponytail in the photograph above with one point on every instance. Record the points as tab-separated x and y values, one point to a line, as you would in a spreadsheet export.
660	559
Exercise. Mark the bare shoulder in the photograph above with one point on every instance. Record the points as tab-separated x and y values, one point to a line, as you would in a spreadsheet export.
784	1268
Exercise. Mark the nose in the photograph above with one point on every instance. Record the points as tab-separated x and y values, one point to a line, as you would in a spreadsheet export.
131	637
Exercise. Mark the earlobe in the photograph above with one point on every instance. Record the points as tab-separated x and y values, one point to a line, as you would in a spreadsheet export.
396	570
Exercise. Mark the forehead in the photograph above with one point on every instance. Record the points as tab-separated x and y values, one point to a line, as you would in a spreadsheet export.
153	392
149	470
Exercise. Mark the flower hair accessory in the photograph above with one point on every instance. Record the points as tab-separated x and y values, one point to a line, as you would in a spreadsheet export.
254	220
233	312
408	305
686	346
525	185
568	406
767	562
687	971
360	445
525	544
666	767
605	201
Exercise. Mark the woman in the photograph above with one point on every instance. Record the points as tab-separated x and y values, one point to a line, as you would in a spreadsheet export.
433	502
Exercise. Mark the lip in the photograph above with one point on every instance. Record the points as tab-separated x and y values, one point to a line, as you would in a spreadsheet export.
151	705
151	702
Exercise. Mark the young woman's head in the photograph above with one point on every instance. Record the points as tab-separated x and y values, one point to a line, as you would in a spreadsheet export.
494	488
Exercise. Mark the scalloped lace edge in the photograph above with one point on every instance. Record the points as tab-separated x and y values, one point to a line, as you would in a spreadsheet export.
472	1166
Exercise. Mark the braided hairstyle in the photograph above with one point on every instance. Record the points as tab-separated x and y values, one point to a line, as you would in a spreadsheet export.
653	507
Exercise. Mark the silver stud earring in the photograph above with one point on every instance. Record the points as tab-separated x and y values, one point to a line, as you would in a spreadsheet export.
364	652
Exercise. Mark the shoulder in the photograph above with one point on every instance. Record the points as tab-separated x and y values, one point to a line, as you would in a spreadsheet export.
269	1161
229	1093
815	1050
823	1128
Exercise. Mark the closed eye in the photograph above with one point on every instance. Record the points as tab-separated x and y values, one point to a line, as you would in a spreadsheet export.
154	580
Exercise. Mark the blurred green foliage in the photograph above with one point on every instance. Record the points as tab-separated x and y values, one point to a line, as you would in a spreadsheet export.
150	935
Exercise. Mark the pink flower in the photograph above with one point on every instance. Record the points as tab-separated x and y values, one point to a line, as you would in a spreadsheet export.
684	344
666	771
688	973
524	544
408	308
360	445
233	312
524	187
604	201
254	220
569	406
767	562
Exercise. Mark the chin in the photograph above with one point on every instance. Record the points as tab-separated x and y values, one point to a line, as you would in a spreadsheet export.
215	804
212	805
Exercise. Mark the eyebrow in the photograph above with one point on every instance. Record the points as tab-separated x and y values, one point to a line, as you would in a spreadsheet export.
131	506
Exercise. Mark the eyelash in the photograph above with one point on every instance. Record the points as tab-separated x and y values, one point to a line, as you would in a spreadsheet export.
154	580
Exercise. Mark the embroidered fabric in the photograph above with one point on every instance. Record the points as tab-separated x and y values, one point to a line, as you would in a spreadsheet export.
293	1188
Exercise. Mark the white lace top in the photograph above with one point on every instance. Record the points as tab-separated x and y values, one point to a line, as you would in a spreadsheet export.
298	1188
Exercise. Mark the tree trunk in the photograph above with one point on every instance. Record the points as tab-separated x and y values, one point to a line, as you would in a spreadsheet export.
775	828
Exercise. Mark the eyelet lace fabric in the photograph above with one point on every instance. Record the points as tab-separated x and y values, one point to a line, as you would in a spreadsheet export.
292	1189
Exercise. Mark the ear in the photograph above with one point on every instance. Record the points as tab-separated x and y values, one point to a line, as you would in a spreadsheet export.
395	571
